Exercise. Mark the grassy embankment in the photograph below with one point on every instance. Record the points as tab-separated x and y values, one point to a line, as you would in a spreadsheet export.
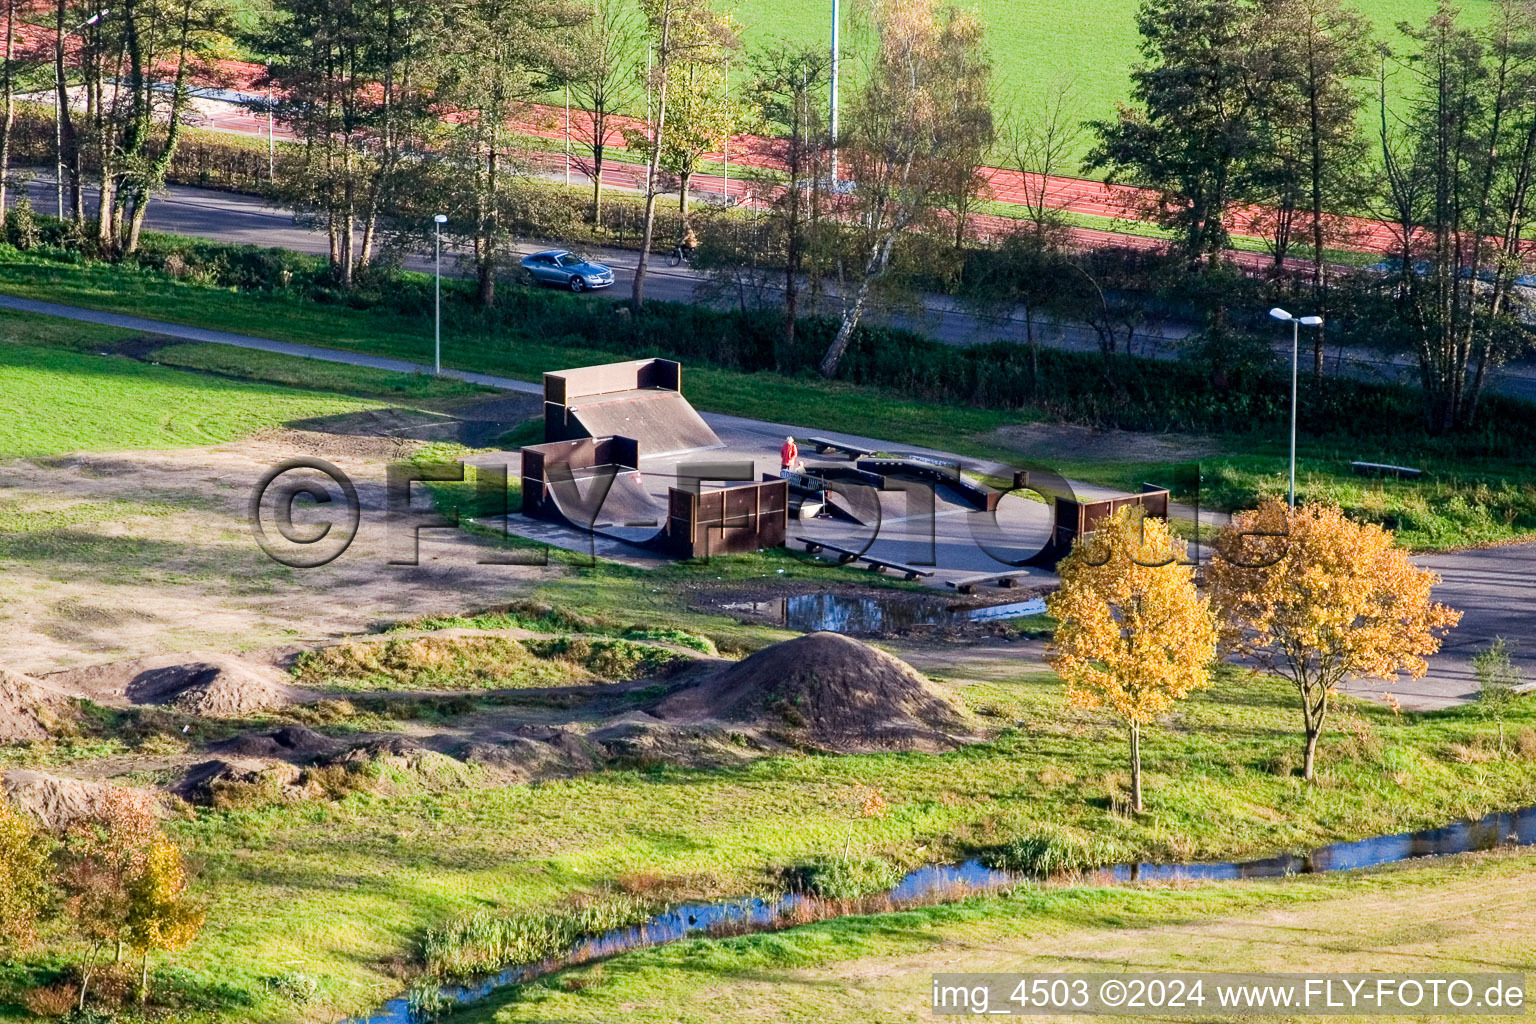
1414	918
1465	500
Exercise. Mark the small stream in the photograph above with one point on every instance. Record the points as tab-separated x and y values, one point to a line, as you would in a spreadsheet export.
860	615
1505	829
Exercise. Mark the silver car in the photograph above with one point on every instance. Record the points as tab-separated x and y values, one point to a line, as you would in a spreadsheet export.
567	269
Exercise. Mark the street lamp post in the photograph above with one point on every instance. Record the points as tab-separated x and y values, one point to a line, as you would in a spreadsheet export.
437	300
58	113
833	68
1296	323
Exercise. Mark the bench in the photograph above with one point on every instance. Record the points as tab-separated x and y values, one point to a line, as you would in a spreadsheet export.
877	565
1006	580
1382	469
825	446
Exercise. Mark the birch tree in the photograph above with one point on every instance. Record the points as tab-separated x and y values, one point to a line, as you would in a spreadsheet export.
680	33
923	106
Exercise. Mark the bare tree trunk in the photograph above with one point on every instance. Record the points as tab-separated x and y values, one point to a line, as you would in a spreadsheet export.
852	314
486	269
653	167
1319	263
597	181
792	261
10	106
66	128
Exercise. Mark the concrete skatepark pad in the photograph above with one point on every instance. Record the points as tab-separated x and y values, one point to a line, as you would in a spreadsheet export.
641	399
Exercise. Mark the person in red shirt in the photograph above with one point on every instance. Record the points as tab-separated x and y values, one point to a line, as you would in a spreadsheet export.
789	455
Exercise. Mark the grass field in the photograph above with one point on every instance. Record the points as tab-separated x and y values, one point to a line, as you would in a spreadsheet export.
355	882
1442	917
54	400
1038	43
341	892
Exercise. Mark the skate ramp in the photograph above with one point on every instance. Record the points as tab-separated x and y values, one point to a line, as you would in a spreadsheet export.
640	399
627	512
564	481
593	484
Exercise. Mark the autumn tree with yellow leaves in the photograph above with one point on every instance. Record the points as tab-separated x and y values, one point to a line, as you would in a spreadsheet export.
23	878
161	914
125	882
1134	635
1313	597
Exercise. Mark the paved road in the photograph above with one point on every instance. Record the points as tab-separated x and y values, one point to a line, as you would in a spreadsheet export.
1495	588
231	217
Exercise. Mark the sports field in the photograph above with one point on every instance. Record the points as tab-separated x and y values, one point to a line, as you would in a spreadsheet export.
1037	43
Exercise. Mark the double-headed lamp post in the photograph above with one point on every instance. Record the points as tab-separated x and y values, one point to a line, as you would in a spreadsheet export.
1296	323
437	299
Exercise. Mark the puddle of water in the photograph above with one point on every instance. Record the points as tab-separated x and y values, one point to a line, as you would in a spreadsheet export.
839	613
1508	829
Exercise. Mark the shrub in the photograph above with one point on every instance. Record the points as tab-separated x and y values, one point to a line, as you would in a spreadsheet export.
843	878
1525	743
485	941
52	1000
295	986
1051	850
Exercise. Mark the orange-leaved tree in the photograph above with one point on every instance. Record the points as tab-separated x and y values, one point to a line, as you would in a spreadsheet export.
1134	634
1313	597
99	860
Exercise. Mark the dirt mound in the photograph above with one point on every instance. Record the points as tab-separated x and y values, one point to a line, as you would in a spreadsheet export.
230	782
59	802
639	740
291	741
533	752
26	707
215	687
209	685
825	690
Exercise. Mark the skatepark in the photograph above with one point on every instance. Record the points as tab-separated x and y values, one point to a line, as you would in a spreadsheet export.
628	470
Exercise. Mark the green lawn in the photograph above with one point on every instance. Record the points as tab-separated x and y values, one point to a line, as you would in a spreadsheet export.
1037	43
54	400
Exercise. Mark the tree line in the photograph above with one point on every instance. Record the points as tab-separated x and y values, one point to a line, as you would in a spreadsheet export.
1289	105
